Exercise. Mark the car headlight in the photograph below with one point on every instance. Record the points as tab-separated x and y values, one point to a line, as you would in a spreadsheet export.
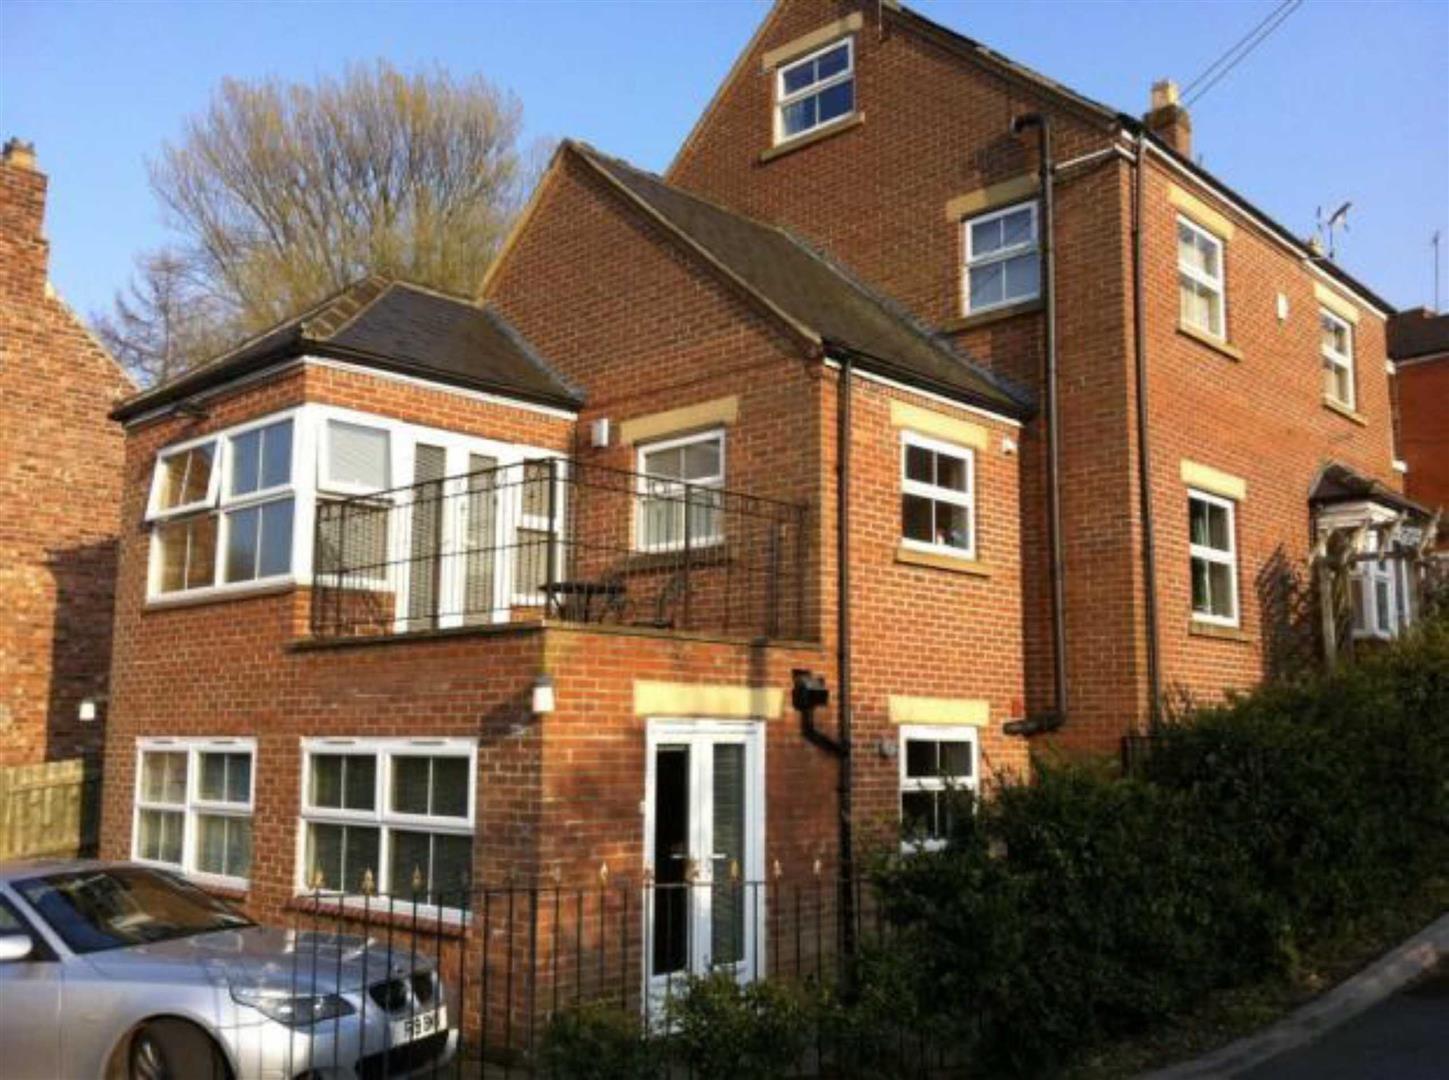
294	1010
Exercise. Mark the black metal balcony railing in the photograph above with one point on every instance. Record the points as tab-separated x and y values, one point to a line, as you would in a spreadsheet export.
562	540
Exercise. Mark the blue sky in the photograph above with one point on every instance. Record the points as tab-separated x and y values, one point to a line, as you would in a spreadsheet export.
1347	100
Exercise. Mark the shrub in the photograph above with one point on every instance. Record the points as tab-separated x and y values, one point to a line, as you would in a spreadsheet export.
723	1029
1086	906
599	1042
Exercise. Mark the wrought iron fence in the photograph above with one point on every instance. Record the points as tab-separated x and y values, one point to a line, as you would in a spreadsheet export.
559	539
496	966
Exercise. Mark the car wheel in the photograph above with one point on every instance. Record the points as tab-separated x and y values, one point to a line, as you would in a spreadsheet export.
174	1050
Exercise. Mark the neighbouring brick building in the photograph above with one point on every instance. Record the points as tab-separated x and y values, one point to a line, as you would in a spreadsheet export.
1419	348
541	587
60	489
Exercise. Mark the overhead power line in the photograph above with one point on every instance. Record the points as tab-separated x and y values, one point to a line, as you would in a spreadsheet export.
1219	68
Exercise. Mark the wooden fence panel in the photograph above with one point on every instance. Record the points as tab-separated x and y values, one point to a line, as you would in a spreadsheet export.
49	808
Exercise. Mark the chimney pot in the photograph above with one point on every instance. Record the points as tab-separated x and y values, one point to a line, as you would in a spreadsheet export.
1164	93
20	154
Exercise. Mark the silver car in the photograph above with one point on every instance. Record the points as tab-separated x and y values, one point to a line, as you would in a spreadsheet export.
114	970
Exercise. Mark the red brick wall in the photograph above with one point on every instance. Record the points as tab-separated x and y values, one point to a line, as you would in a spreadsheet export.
60	487
935	127
1424	428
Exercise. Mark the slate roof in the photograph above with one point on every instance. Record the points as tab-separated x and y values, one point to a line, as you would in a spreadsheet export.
1338	484
392	326
818	297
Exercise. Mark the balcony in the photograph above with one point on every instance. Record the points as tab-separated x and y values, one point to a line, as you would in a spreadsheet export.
559	540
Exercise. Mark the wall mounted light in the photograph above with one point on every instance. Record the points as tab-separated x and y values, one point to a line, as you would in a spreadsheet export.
543	695
88	711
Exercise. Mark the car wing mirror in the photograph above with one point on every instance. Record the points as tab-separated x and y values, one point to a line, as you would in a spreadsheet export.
15	947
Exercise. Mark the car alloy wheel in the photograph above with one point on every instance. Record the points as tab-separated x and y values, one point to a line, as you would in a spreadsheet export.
148	1059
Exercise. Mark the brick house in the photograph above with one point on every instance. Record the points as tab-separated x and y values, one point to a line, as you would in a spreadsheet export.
1419	348
542	586
60	487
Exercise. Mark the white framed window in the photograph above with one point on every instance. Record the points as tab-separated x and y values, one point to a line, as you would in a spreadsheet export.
193	806
938	496
223	509
1337	350
938	765
1201	303
814	90
1003	258
1213	555
681	492
1381	592
396	813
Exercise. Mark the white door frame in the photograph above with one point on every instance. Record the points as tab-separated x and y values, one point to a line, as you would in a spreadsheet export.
697	733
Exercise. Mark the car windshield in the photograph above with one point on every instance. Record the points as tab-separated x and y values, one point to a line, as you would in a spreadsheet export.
113	907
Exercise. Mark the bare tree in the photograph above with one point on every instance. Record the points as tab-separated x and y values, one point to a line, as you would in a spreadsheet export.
284	193
163	322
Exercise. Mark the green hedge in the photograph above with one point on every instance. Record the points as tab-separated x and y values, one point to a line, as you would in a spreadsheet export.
1085	906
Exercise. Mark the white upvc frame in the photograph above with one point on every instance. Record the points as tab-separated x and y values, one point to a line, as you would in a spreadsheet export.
154	511
221	503
784	100
1209	554
192	805
308	484
1216	285
1340	361
966	499
380	816
697	733
1370	570
972	261
962	733
673	487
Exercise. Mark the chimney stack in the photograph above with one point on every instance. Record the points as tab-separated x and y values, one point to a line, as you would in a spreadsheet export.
1168	120
24	254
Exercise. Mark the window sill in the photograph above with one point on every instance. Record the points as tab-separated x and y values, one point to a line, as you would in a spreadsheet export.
1344	411
1217	345
1198	628
957	564
835	127
993	315
217	594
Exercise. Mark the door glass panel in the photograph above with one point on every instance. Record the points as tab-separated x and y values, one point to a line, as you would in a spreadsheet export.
727	930
671	860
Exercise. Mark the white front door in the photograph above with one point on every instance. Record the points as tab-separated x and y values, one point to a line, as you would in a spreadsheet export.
704	840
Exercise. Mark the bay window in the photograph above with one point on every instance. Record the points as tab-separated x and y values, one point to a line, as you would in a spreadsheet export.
395	815
193	806
222	509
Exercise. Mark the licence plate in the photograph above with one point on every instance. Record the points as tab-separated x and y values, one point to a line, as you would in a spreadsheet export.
419	1026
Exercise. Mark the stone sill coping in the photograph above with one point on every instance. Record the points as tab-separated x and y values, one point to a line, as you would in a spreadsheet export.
1232	352
309	644
429	924
215	596
1344	411
969	567
995	315
835	127
1212	630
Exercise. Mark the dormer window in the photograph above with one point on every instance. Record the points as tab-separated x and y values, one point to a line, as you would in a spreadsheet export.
815	90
